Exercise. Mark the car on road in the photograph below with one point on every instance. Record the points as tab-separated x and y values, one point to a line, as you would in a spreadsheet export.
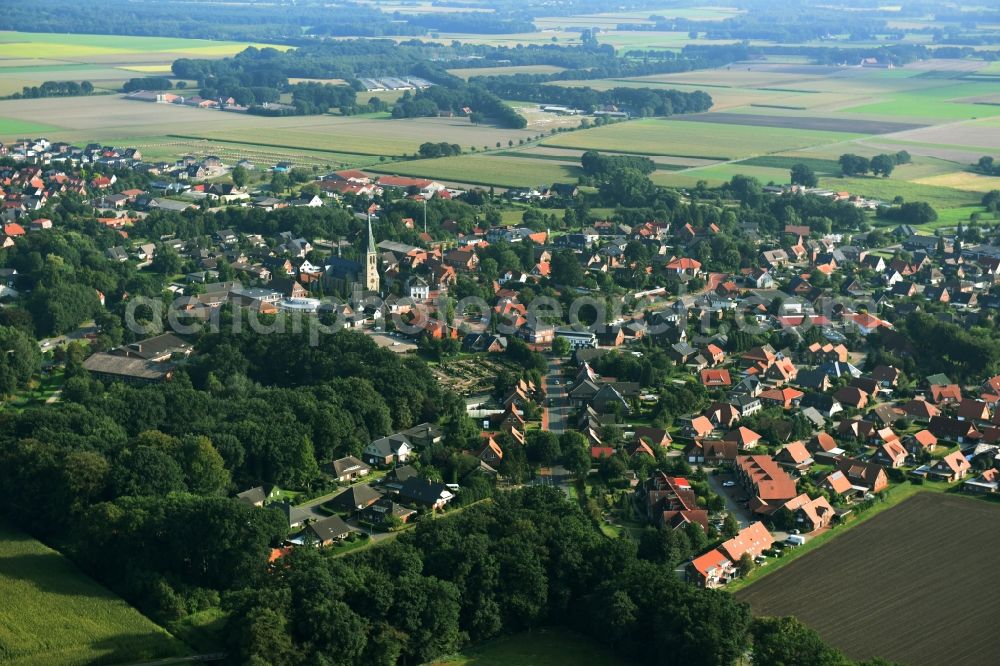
555	382
728	484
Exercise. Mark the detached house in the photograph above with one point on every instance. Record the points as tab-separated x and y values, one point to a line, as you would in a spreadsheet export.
952	467
387	450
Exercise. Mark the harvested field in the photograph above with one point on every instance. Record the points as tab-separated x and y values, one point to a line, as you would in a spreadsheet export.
886	587
110	118
963	180
702	140
469	72
801	122
980	134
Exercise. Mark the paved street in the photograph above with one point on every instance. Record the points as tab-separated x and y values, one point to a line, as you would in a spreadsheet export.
557	409
730	495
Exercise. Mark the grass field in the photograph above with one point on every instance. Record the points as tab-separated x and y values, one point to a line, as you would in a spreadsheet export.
546	647
888	188
889	586
694	139
51	614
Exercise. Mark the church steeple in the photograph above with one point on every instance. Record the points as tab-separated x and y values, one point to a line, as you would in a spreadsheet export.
371	261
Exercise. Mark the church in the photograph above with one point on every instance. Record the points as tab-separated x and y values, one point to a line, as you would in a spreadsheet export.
343	275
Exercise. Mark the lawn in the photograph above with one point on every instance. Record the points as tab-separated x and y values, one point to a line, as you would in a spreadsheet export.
52	614
694	139
884	587
545	647
486	170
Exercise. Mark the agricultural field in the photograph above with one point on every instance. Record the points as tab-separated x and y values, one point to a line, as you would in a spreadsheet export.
884	587
546	647
701	140
28	59
52	614
169	148
469	72
486	170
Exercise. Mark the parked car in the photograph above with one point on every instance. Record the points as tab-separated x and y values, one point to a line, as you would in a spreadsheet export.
728	484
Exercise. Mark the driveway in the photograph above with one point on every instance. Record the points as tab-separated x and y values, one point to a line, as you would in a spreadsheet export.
730	495
556	412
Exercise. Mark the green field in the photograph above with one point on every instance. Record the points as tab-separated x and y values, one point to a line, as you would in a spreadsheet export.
547	647
694	139
56	45
28	59
486	170
51	614
14	127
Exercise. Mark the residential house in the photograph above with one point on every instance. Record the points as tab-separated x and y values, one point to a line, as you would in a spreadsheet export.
348	468
744	438
328	530
867	475
711	570
952	467
794	455
388	450
385	510
752	540
767	484
891	454
986	483
425	492
812	514
355	498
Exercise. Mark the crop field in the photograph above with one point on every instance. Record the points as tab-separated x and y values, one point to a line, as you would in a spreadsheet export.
694	139
503	171
800	122
28	59
364	135
169	148
962	180
51	614
886	587
14	127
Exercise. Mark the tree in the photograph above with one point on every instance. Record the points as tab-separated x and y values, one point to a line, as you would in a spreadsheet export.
204	468
279	182
785	641
542	447
575	452
882	165
566	269
240	176
560	346
745	565
730	526
854	165
802	174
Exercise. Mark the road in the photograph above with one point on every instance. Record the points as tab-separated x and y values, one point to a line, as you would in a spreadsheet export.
742	515
87	328
556	414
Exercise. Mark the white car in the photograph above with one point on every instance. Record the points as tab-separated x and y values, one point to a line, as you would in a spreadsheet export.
728	484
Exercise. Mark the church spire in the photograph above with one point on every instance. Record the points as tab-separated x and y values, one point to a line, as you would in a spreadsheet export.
371	261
